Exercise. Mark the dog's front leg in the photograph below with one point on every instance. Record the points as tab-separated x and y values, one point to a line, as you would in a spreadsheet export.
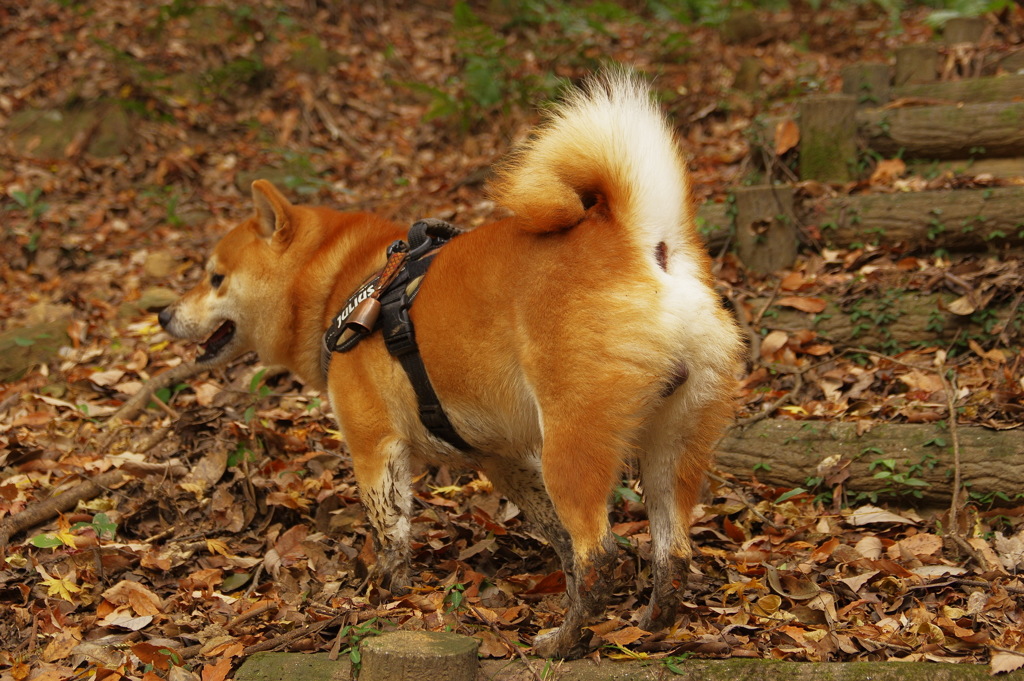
382	472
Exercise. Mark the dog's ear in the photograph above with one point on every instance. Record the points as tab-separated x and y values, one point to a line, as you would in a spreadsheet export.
271	211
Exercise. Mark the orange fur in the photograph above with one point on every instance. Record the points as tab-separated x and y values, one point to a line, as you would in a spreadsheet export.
554	340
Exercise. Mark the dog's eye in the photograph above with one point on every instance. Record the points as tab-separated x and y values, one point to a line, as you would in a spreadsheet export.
216	279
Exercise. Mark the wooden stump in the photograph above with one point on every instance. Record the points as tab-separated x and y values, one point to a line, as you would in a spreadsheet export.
916	64
869	83
419	655
748	77
766	235
714	224
963	30
828	143
742	27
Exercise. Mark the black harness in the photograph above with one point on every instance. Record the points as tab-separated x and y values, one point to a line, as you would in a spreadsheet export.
347	330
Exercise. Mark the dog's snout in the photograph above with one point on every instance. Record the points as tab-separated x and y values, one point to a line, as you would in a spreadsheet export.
165	316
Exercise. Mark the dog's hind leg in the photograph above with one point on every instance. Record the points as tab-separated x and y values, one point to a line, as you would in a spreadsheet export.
579	467
673	459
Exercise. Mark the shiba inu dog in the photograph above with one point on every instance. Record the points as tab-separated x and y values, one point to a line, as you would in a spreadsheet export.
581	332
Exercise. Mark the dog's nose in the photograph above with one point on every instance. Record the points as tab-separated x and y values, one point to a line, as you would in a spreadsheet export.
165	316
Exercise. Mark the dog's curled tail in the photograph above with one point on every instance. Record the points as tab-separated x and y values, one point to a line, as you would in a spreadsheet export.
606	142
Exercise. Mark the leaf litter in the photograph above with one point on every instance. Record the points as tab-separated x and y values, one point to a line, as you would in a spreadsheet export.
224	517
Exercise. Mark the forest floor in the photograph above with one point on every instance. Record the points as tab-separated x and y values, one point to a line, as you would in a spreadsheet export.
221	517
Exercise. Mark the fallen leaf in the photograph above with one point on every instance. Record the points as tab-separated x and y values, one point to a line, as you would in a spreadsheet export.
1010	550
787	136
625	636
995	355
962	306
804	304
858	581
922	544
106	378
866	515
918	380
933	571
887	171
773	342
1003	662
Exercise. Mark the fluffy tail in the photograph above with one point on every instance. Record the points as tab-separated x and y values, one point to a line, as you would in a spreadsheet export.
607	142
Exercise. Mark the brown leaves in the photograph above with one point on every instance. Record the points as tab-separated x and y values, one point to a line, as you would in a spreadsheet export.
806	304
887	172
787	136
266	533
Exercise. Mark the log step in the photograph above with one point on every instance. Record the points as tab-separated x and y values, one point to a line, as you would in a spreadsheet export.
419	655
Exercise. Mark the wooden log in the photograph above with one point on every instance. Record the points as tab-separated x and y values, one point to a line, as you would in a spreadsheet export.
786	453
891	322
828	144
964	219
1003	88
868	82
996	167
766	235
1011	62
960	30
916	64
419	655
319	667
971	130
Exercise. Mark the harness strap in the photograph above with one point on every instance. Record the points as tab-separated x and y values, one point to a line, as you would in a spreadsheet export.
396	288
400	340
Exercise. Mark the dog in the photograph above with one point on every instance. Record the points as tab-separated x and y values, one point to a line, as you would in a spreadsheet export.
579	333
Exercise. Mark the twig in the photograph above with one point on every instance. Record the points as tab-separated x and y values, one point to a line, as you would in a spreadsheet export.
10	401
139	400
768	303
254	582
978	582
158	436
798	384
255	611
506	641
166	407
294	634
949	385
1004	337
44	510
743	500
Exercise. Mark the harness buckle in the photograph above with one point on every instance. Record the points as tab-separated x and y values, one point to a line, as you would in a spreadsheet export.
433	417
401	338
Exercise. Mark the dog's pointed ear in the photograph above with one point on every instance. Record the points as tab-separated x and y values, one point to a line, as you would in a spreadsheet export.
271	211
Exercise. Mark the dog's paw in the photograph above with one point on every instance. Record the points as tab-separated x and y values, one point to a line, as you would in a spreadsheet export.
655	618
394	581
561	643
